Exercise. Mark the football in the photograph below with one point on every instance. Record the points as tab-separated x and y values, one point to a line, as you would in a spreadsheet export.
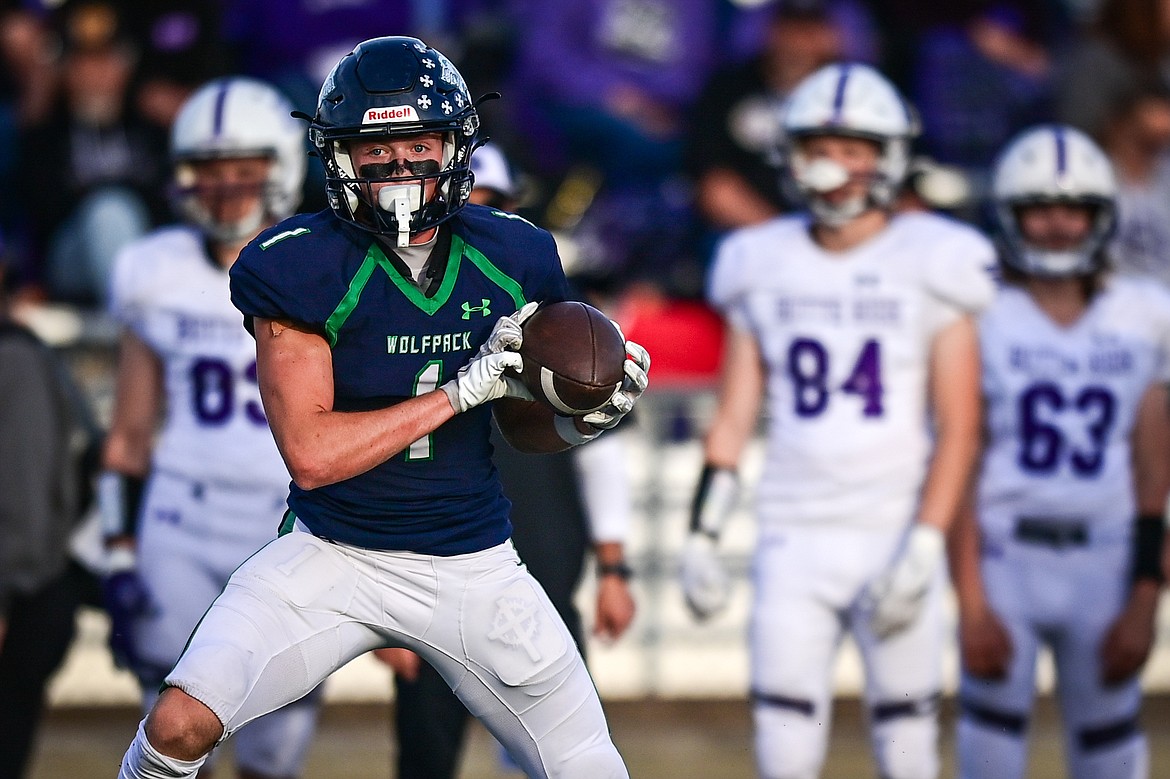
574	357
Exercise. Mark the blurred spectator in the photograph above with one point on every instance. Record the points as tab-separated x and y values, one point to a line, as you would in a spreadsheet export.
733	138
602	90
1129	44
92	172
1137	139
978	80
181	47
43	493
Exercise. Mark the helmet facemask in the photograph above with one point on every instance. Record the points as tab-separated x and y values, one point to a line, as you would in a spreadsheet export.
197	200
390	198
1086	257
817	177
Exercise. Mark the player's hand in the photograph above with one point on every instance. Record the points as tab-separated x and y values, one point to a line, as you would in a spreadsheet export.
125	598
508	332
482	380
615	608
1127	644
404	663
985	644
894	599
637	368
705	582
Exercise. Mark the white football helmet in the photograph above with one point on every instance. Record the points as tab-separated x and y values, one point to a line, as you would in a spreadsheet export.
849	99
1053	164
231	118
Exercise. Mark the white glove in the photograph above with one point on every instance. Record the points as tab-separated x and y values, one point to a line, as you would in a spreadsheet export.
705	582
636	367
482	380
895	597
508	333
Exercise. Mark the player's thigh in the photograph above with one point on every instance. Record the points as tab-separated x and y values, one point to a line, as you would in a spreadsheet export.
795	627
279	628
906	666
522	675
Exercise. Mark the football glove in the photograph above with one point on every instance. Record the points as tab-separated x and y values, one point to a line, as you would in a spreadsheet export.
483	379
894	599
622	401
508	332
125	598
705	582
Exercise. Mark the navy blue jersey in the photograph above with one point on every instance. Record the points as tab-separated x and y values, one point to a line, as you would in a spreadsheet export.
391	342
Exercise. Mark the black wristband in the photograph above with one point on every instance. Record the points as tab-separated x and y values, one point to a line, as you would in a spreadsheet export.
619	569
1148	536
700	500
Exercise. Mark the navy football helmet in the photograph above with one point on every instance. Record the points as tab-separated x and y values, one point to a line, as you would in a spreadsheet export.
394	87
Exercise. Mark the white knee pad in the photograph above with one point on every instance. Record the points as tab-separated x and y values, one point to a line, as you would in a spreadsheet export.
142	761
790	737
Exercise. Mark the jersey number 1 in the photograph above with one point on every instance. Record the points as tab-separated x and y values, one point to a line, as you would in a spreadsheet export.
425	381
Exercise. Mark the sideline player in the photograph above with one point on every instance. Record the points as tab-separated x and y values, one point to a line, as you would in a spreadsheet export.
380	343
1063	545
217	484
856	324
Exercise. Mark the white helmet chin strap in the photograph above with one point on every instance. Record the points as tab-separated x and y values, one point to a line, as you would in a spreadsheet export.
402	200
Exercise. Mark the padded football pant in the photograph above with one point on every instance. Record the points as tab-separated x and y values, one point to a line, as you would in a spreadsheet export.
807	581
1067	599
303	607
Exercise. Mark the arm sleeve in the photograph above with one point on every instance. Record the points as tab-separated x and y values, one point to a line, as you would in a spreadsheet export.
603	474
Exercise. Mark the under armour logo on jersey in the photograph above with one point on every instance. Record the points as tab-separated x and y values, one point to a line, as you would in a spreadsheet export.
516	624
483	308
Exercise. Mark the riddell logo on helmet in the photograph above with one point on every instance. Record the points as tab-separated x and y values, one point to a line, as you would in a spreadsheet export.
397	113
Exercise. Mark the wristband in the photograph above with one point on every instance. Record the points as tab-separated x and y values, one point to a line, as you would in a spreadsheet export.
119	500
619	569
566	428
714	499
1148	537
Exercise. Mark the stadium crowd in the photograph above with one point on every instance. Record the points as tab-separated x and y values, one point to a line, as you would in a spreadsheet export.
642	134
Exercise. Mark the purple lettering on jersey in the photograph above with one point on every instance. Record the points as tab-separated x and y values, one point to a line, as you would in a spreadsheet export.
808	366
213	394
1043	443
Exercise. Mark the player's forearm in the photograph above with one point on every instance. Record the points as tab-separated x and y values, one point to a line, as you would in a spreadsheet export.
963	556
948	477
1151	443
326	447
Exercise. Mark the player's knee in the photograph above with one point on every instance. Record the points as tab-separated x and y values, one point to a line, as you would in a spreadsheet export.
905	735
1117	750
182	727
598	761
791	736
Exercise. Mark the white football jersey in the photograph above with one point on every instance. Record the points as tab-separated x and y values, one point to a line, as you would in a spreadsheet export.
174	297
1061	404
845	338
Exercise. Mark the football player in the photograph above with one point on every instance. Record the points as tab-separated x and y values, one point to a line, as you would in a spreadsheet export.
216	481
384	326
856	325
1062	545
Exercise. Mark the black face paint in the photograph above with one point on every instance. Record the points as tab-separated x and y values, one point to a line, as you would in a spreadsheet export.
385	170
